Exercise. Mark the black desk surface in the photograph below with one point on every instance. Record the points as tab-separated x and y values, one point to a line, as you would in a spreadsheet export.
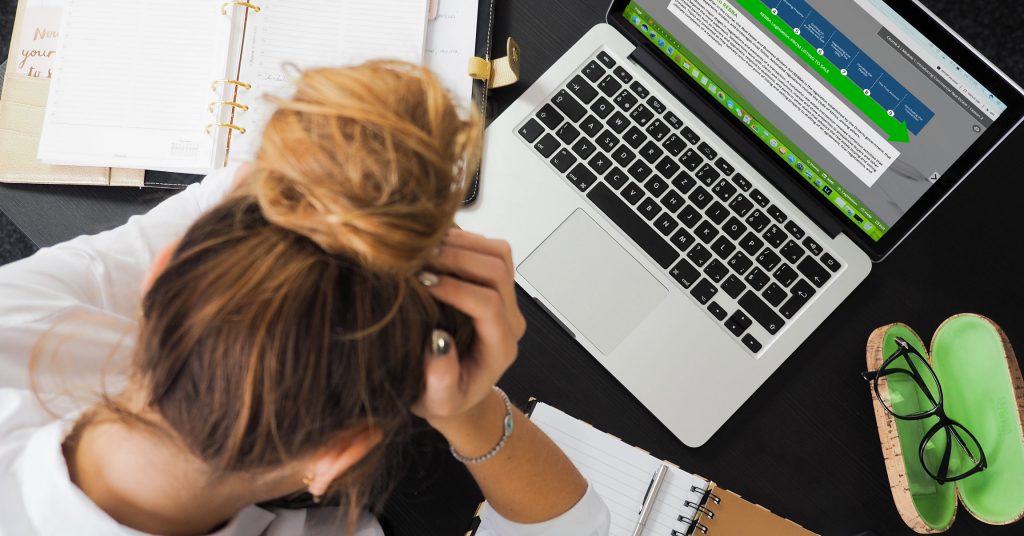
805	444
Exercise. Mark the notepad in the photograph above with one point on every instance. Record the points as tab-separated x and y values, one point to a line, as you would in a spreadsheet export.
622	475
176	86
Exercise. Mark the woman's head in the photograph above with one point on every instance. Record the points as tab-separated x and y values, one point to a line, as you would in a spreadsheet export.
288	320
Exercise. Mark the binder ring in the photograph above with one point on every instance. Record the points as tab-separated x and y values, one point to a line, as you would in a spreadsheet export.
244	85
240	130
714	498
224	8
233	104
702	528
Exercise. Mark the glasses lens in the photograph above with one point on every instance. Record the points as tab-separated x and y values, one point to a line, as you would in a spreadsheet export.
907	386
951	453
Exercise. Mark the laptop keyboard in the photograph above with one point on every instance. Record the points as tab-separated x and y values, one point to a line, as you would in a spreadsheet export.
738	255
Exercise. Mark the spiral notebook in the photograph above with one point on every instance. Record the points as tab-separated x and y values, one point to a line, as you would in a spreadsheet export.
626	478
179	86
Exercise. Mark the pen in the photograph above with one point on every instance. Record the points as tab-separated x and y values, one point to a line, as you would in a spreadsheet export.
648	505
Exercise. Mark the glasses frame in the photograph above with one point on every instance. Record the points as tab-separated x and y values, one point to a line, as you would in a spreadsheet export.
945	423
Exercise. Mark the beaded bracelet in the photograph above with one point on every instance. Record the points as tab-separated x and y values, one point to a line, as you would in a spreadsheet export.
507	426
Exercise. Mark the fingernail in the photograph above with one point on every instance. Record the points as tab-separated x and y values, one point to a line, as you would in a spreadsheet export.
429	279
440	343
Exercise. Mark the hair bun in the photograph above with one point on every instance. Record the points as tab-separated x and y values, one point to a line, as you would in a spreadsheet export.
368	161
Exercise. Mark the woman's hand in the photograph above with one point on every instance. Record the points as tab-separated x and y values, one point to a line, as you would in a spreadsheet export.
481	284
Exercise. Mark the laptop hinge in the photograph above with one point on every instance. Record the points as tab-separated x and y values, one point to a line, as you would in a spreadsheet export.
732	133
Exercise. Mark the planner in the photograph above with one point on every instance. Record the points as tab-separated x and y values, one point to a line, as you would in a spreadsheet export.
635	484
179	86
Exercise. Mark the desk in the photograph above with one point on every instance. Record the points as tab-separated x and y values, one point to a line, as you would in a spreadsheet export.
805	444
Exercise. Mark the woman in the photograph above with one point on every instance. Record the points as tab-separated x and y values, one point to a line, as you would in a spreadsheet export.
294	316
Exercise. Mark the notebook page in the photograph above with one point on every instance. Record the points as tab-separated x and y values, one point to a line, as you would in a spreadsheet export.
319	33
132	85
451	42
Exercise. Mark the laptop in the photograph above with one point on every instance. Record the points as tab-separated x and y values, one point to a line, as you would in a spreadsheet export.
697	184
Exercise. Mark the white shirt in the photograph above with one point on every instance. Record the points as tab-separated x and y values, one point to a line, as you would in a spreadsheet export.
84	296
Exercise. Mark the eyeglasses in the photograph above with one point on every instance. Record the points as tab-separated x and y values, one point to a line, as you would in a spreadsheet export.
908	389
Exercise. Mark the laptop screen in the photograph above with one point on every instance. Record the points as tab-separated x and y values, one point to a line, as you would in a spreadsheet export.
849	94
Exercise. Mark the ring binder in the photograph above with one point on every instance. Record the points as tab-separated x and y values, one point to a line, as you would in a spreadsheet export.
240	130
247	5
233	104
244	85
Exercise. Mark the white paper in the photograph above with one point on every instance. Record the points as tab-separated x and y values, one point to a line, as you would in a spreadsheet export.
451	42
36	50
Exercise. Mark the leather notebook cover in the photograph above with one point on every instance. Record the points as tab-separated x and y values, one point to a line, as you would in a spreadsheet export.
734	516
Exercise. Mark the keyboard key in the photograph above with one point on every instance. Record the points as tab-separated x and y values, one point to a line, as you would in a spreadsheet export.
563	160
831	263
717	213
758	221
706	232
684	182
777	214
691	136
674	120
761	312
550	116
768	260
691	160
734	228
667	167
626	100
775	295
609	86
683	240
751	343
635	137
792	252
700	255
567	133
701	198
751	244
689	216
606	59
607	140
723	247
633	225
623	75
685	273
741	206
618	122
547	146
716	271
640	90
656	186
775	236
639	171
742	182
591	126
724	190
656	105
581	177
704	291
717	311
617	178
651	152
707	151
708	175
725	167
600	163
785	275
813	247
738	323
633	193
814	272
649	209
802	293
665	224
623	155
757	279
569	105
794	230
531	130
584	148
593	71
673	201
642	115
759	198
740	263
734	287
658	130
674	145
602	108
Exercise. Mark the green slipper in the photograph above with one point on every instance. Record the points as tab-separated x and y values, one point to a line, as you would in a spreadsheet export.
983	391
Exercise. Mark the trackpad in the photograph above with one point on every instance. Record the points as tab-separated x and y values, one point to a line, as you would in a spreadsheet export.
598	286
